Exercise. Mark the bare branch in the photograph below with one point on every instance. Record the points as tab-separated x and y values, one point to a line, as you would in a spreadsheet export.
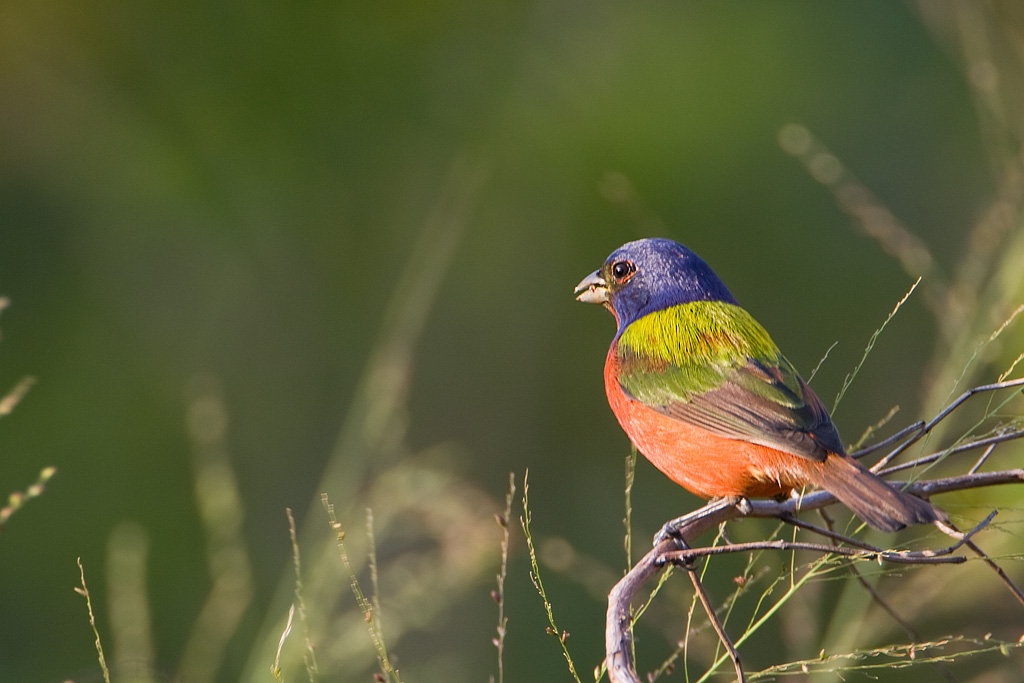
966	481
995	386
962	448
915	427
618	638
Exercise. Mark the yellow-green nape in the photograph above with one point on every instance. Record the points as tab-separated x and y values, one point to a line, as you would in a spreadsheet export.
701	331
676	353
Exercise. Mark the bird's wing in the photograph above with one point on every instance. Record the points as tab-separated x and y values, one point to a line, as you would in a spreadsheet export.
713	366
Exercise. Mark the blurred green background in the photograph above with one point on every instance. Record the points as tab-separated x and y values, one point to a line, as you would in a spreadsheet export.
256	252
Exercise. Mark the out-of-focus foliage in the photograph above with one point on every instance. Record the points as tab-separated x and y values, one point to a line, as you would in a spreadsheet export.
256	252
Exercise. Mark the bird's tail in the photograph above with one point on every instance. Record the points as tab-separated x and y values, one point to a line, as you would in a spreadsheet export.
870	498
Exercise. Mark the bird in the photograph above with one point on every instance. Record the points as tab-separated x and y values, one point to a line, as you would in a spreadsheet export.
707	397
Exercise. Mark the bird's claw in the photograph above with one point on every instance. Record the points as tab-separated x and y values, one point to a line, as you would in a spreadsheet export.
742	504
672	530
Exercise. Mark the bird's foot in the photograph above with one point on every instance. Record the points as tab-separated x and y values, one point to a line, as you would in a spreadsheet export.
676	529
670	531
741	503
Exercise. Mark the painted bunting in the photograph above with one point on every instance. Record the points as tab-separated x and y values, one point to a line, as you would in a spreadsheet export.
706	395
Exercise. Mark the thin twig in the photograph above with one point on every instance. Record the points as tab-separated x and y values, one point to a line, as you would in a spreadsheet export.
275	668
871	429
15	395
1014	588
995	386
969	446
371	561
830	533
717	624
966	481
744	583
810	377
981	346
982	459
915	427
889	657
17	499
941	556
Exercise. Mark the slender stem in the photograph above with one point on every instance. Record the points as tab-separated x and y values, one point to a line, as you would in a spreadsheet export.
971	445
499	593
717	624
995	386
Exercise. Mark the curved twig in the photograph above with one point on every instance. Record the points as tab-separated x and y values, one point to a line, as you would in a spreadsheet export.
618	634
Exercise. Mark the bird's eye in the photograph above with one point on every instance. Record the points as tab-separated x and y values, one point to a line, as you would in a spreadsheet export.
623	270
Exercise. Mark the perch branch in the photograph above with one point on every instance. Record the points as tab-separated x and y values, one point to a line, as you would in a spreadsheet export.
694	524
941	556
618	634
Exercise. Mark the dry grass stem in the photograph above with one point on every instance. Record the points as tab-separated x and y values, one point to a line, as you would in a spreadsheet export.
84	592
387	670
499	593
538	582
309	654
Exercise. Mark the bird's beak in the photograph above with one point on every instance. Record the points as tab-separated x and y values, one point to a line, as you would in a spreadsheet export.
593	289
